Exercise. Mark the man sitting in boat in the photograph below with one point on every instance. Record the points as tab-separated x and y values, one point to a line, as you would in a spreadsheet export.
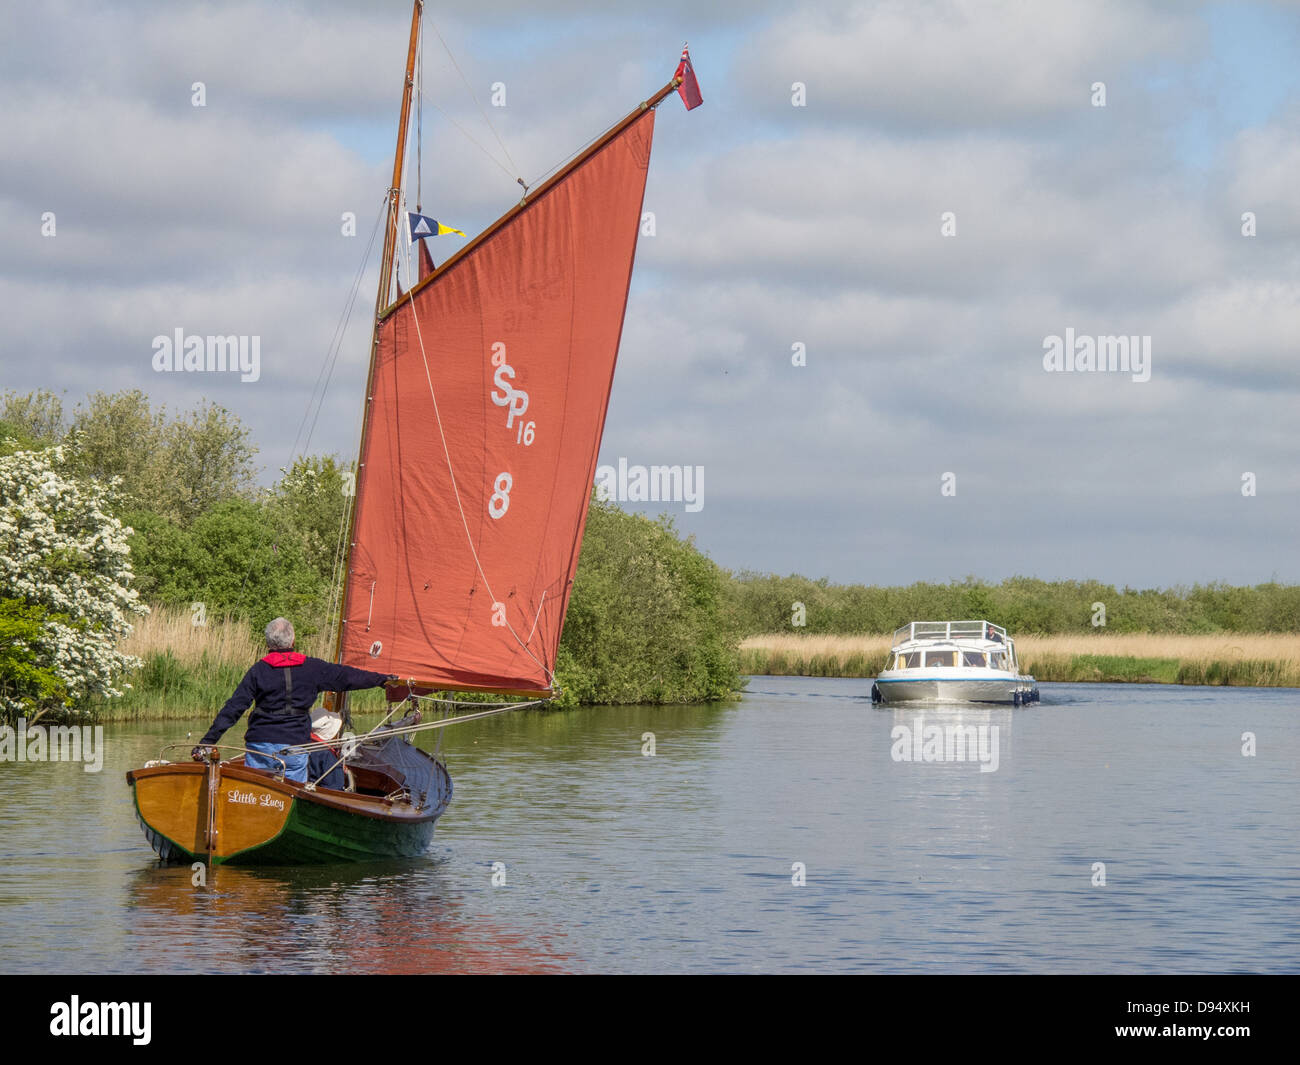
284	685
324	766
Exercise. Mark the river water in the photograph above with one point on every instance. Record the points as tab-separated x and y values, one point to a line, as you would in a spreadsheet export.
799	829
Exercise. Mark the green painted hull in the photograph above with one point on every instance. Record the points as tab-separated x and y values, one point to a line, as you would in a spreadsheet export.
319	834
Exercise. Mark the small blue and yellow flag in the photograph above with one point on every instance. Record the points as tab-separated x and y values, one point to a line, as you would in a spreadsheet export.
422	226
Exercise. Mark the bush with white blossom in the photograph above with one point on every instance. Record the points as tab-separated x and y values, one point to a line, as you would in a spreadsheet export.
66	559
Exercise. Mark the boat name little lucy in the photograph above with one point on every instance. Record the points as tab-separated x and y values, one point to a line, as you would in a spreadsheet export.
249	798
955	743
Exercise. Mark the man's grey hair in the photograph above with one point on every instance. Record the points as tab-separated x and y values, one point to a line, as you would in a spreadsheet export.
279	635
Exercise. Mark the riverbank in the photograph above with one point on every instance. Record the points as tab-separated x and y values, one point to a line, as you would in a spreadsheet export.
189	670
191	662
1239	659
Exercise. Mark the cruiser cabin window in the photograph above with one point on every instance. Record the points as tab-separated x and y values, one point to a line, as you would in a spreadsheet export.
940	658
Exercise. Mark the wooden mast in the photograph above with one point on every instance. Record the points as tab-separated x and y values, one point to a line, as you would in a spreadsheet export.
381	301
399	157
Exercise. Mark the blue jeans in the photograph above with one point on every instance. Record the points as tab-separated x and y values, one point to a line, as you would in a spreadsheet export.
295	765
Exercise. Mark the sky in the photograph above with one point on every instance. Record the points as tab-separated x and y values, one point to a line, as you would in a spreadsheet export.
947	194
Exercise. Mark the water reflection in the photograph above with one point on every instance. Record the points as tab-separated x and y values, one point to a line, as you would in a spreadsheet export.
391	917
684	861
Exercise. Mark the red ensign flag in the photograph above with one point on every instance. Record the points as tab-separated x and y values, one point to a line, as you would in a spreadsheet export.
689	89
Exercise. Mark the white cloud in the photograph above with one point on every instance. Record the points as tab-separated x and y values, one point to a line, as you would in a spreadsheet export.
954	64
774	225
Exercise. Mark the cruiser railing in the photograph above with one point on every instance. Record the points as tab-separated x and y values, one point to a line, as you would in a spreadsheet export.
950	630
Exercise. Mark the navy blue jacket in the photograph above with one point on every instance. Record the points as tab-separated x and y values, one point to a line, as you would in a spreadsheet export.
279	717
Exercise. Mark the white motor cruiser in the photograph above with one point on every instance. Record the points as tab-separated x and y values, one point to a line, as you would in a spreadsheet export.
953	662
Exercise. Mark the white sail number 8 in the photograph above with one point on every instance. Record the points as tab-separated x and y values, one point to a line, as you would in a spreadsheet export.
499	503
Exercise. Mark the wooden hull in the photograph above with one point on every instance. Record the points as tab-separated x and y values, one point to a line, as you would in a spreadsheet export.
226	813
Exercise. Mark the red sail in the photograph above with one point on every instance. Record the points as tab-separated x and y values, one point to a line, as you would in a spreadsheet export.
490	388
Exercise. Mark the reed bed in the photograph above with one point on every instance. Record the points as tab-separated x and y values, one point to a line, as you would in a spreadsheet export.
188	670
167	630
1248	659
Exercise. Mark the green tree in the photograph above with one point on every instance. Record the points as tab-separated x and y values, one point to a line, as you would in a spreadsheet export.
239	566
28	681
15	437
163	557
119	435
210	459
178	468
646	622
312	500
36	416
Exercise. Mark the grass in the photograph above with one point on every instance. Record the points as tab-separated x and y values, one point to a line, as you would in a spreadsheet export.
189	671
1246	659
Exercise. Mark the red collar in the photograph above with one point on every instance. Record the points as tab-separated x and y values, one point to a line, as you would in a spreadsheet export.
284	658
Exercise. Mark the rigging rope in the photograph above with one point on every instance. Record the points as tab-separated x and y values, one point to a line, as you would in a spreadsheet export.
374	736
326	371
469	137
474	97
322	745
336	342
571	156
419	123
335	602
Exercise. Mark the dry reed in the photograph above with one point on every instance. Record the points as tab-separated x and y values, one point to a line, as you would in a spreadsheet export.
224	641
1223	658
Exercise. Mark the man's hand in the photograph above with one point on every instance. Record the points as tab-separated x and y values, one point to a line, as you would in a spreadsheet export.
201	753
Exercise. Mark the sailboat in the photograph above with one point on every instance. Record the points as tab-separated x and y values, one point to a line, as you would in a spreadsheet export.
484	407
